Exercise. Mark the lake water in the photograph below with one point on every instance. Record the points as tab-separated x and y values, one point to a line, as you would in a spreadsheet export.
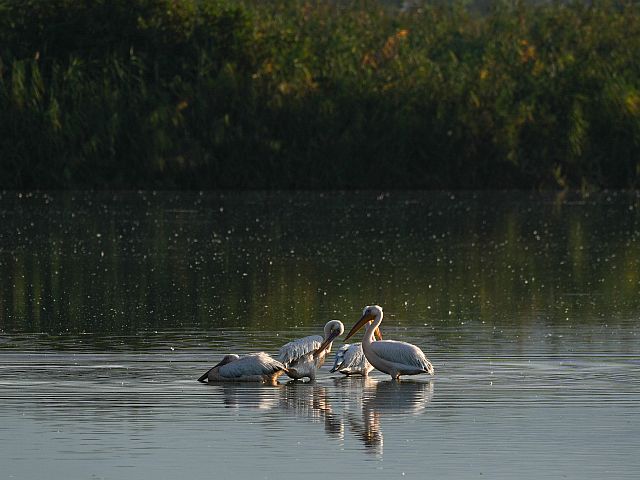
111	305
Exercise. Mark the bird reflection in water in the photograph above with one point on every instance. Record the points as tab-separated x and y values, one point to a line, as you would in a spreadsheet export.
248	395
360	405
311	401
364	425
405	397
381	399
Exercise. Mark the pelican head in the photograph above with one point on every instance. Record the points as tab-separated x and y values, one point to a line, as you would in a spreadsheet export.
332	329
369	314
372	311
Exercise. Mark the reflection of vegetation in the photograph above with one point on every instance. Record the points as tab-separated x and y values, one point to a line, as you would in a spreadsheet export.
310	94
196	262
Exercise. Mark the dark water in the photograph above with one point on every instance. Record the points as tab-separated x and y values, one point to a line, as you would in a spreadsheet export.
112	304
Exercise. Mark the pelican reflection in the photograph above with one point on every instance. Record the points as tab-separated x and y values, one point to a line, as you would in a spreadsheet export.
387	399
404	397
312	402
362	406
366	427
248	395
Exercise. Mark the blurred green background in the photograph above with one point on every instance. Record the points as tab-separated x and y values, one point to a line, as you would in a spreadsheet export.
280	94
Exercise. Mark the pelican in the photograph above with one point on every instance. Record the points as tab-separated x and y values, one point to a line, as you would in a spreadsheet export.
302	357
350	359
254	367
389	356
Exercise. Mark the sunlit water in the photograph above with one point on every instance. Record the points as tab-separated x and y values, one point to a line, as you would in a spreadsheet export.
112	305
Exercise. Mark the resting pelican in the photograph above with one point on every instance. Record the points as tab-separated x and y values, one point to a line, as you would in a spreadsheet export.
302	357
350	359
389	356
254	367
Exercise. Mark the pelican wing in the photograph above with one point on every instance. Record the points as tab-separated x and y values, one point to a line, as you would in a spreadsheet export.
292	351
350	359
339	360
354	357
253	364
402	353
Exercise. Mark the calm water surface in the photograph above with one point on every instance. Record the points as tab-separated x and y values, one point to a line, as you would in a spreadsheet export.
111	305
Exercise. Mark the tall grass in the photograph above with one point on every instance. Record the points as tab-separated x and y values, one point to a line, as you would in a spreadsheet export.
276	94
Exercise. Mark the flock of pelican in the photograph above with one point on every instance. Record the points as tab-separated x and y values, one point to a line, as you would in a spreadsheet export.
301	358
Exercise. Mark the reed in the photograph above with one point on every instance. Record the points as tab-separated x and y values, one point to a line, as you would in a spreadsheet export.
224	94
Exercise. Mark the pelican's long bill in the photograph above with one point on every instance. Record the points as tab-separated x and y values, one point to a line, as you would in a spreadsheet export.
206	374
219	364
367	317
323	346
226	359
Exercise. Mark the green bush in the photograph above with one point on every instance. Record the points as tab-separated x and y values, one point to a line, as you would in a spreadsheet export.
277	94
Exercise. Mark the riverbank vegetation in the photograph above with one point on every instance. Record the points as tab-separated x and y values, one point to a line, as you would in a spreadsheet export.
275	94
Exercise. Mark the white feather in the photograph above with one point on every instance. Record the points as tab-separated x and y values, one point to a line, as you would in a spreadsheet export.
350	359
339	360
292	351
252	364
402	353
301	357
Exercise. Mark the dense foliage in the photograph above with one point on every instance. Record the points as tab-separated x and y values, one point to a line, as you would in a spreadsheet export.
227	94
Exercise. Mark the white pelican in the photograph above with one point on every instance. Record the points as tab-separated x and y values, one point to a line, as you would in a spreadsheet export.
254	367
389	356
350	360
302	357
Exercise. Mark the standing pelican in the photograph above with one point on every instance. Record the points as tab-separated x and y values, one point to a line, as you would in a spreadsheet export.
302	357
350	359
254	367
389	356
